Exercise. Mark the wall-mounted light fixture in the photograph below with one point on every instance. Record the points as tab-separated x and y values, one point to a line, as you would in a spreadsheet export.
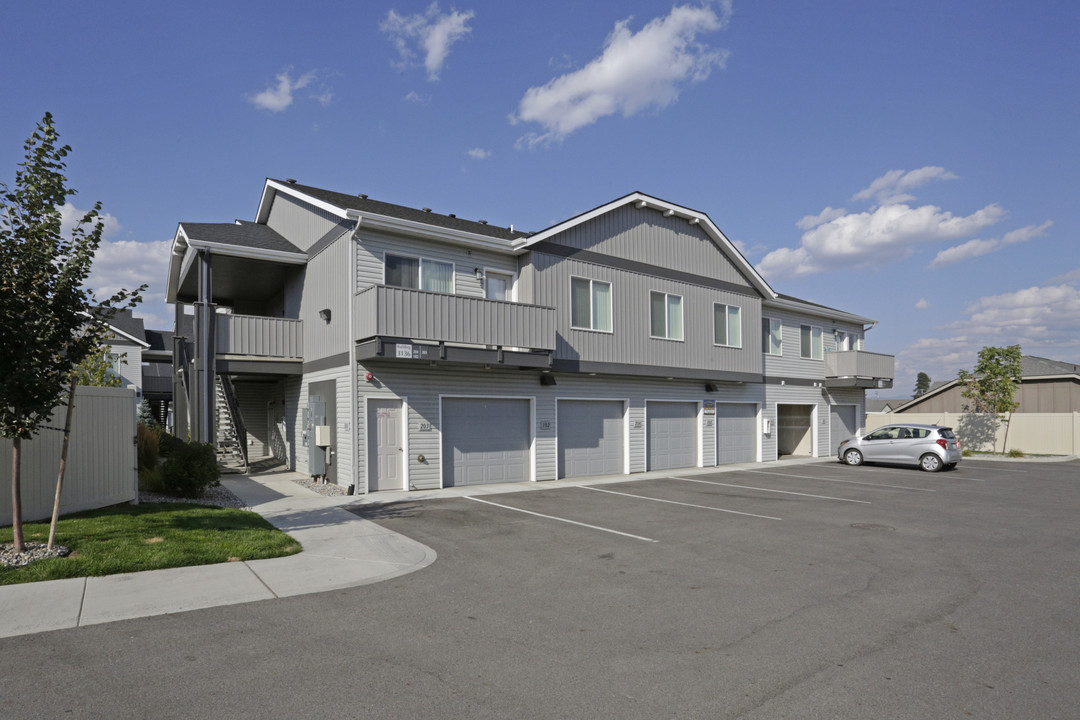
324	315
478	273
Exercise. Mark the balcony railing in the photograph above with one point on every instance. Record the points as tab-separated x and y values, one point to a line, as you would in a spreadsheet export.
859	364
259	336
437	317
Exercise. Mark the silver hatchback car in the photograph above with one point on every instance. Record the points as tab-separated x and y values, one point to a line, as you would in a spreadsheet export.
931	447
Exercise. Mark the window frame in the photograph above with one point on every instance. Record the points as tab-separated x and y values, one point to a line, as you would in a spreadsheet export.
420	271
766	336
727	325
592	308
667	317
820	338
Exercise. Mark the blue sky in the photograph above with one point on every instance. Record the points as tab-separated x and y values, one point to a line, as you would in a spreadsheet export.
914	162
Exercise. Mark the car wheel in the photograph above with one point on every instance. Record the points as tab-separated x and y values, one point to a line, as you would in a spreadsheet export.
853	457
930	462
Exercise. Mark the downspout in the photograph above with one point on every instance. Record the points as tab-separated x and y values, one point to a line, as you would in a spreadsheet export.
354	403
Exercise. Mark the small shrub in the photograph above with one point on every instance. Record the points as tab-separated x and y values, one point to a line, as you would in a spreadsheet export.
1016	452
967	453
150	480
189	469
167	442
147	440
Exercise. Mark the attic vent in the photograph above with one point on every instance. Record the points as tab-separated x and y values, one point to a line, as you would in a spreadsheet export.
427	209
452	215
362	196
291	181
482	222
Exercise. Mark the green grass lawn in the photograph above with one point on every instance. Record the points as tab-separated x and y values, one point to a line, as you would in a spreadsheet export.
150	536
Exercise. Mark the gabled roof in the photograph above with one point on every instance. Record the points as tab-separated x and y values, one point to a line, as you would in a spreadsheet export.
1032	368
694	217
798	304
366	206
125	324
239	234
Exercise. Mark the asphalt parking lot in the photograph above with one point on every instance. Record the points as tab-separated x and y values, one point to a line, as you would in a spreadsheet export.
786	591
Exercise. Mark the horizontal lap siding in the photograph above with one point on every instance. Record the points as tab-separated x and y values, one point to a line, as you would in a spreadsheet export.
796	395
372	247
791	364
630	341
422	386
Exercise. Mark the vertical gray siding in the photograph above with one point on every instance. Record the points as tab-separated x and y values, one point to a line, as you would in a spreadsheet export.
326	285
101	467
253	398
630	340
257	335
372	246
647	236
298	222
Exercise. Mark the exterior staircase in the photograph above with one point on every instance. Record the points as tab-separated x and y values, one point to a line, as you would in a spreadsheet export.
231	434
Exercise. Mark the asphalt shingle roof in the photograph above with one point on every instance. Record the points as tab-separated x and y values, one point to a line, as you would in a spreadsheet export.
242	234
126	322
377	207
1036	366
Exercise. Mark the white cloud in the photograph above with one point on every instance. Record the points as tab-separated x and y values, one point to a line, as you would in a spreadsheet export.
71	215
416	98
886	234
977	247
635	71
431	33
894	186
922	304
1073	276
280	96
479	154
1044	320
827	215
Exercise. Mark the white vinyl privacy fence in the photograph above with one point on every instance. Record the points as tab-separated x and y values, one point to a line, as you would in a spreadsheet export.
1033	433
101	467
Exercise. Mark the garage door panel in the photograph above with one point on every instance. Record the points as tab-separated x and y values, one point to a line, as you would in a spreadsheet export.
485	441
736	433
590	437
672	435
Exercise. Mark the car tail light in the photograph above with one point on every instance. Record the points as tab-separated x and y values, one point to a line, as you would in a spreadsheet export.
944	445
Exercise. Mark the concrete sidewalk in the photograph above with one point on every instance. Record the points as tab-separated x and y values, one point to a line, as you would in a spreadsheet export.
340	550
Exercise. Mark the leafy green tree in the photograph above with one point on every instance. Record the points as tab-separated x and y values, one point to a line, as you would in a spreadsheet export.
992	386
922	384
96	369
44	308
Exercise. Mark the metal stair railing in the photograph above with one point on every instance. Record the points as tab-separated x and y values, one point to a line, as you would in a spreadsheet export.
229	393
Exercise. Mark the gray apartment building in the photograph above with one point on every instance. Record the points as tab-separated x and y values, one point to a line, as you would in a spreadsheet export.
393	348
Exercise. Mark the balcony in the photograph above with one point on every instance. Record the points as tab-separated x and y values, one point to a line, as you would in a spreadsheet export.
262	337
857	368
433	326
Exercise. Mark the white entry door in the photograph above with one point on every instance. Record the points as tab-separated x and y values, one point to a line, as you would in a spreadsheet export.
498	286
385	445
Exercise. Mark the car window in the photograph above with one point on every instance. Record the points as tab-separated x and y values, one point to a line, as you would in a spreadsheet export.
920	432
946	433
886	433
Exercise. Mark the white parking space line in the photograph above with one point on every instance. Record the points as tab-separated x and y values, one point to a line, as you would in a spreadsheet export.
559	519
997	469
784	492
675	502
849	482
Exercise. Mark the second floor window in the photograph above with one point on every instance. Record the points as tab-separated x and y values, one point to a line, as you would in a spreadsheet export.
771	337
665	313
590	304
727	325
811	344
419	274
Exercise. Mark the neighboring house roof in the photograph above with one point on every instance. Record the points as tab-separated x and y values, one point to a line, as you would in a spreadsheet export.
240	234
160	340
877	405
365	205
1032	368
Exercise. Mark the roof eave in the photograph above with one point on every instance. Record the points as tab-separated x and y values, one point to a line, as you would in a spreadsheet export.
434	232
820	311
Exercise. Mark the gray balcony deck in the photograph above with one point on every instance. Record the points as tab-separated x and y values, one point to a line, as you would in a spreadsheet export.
382	311
858	368
263	337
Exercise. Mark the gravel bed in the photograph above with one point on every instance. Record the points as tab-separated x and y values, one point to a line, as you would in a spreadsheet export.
31	551
327	489
218	496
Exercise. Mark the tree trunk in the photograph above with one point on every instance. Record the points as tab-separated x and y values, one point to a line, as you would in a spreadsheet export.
16	494
63	463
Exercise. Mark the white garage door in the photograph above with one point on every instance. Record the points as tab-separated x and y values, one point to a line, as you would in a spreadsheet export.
590	437
736	433
671	435
485	440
